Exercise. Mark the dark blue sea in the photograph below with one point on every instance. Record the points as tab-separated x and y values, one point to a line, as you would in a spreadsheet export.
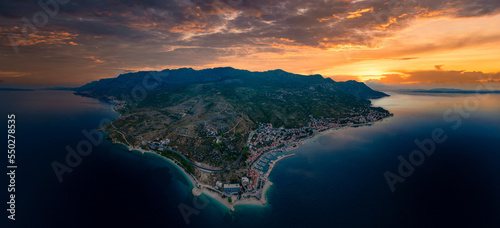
336	180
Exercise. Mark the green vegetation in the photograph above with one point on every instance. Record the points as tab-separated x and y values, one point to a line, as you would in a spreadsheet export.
207	115
244	153
169	154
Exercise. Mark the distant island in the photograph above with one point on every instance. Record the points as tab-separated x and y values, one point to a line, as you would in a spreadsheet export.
15	89
226	127
42	89
450	90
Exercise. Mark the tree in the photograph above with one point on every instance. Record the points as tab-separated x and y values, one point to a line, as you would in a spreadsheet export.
230	199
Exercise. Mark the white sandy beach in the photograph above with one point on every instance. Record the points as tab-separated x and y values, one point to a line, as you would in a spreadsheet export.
199	189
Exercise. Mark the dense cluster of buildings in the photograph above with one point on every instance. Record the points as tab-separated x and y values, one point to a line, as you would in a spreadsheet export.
266	138
269	140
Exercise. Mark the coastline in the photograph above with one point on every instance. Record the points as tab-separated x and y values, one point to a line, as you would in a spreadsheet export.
247	199
331	130
188	176
198	188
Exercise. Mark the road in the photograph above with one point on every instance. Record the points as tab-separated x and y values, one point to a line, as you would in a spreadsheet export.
180	155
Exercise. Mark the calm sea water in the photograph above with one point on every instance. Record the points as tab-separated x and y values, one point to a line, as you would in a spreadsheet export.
336	180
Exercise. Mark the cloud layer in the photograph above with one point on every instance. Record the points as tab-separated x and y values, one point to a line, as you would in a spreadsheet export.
196	32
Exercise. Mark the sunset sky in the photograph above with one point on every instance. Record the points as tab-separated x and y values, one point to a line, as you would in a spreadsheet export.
404	42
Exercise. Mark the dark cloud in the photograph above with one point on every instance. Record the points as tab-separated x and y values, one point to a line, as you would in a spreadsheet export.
438	67
311	23
475	8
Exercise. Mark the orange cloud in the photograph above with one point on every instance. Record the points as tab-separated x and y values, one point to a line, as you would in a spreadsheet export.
393	20
359	13
328	18
42	37
94	59
4	74
439	77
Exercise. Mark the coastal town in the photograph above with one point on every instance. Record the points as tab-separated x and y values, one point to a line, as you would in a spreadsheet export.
265	146
268	145
228	128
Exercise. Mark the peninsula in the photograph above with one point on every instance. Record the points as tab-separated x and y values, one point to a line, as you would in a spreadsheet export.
227	128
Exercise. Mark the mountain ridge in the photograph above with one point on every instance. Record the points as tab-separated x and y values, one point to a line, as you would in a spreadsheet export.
209	115
189	75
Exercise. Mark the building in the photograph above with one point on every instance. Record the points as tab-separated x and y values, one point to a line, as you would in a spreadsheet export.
245	181
218	185
231	188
